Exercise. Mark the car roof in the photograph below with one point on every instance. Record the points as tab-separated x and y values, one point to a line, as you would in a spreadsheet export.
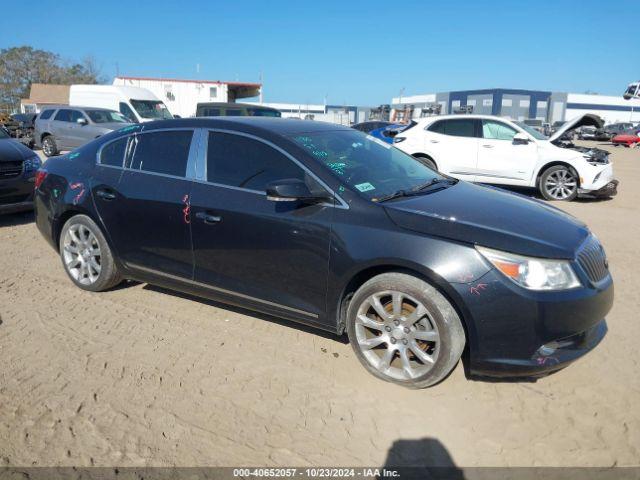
72	107
462	115
233	105
276	125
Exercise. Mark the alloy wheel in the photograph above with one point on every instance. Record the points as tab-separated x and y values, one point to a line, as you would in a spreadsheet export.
396	335
561	184
47	147
81	254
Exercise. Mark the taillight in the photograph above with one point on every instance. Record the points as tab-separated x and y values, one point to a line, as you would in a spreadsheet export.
40	176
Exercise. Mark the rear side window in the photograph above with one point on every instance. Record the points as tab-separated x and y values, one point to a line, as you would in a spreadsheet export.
460	128
242	162
164	152
63	115
113	153
437	127
46	114
76	115
234	112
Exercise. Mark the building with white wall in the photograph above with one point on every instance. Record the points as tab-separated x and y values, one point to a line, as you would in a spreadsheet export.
518	104
181	96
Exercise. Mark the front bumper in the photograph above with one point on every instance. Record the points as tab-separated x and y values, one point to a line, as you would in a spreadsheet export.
16	194
610	189
514	332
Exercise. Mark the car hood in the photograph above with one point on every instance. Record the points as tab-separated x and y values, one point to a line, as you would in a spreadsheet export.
587	119
13	151
492	218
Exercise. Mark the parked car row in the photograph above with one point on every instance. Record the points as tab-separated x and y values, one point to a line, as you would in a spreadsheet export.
333	228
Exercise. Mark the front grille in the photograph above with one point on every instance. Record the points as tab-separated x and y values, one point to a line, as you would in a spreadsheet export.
593	260
10	169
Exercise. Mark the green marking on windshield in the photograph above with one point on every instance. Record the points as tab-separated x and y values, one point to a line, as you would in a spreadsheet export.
337	167
128	129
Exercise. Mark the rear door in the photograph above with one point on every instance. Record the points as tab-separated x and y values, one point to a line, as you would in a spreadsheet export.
273	255
502	161
151	224
61	128
453	144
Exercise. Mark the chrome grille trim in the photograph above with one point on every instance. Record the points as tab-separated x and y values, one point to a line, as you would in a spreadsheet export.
10	169
592	259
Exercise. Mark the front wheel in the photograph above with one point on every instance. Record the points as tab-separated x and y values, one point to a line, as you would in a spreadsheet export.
404	331
559	182
428	162
49	146
86	256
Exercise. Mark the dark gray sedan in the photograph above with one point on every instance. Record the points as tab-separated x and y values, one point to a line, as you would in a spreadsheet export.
18	165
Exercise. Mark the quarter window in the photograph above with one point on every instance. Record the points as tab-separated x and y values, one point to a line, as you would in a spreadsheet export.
239	161
46	114
164	152
113	153
497	130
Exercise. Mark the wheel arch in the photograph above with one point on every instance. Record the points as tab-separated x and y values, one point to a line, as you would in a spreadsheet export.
362	276
43	135
554	163
64	217
425	155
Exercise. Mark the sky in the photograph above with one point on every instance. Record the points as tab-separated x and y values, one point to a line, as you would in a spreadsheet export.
347	52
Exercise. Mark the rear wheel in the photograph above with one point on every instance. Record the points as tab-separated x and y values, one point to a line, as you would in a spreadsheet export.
404	331
86	256
49	146
559	182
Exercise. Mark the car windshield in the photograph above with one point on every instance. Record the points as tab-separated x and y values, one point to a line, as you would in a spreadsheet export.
367	165
106	116
151	109
532	131
3	134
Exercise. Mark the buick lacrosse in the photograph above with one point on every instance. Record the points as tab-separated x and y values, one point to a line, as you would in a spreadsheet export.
327	226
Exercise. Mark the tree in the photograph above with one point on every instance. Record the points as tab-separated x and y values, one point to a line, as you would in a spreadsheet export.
22	66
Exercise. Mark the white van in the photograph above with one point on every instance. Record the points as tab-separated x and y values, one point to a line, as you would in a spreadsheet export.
135	103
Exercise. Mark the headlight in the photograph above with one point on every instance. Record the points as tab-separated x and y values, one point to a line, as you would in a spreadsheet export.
397	139
32	164
533	273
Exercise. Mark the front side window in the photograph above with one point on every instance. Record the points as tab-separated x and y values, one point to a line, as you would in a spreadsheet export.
211	112
105	116
234	112
154	109
165	152
46	114
113	153
126	111
63	115
497	130
367	165
243	162
532	131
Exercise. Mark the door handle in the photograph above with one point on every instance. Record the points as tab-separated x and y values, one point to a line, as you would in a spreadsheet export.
434	141
106	194
487	146
208	218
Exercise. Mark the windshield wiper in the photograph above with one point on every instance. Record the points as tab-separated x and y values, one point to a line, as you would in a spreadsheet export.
418	190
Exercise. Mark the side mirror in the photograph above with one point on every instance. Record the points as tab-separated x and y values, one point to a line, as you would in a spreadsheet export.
292	190
81	121
520	139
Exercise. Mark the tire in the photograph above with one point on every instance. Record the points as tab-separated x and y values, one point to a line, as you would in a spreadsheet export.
49	146
428	162
559	182
385	345
90	271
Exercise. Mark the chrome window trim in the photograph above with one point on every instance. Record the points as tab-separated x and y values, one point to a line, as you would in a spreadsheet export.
202	159
221	290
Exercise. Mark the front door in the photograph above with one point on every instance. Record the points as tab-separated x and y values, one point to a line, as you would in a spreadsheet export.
500	160
272	255
152	231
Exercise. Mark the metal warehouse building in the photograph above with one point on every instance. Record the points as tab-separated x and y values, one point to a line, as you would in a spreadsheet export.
519	105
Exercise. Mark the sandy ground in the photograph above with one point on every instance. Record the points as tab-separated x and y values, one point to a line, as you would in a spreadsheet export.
141	376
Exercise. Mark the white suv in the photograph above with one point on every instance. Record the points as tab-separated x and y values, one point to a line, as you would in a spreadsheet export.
489	149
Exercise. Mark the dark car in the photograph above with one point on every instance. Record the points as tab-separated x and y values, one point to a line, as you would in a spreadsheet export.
366	127
320	224
222	109
18	166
